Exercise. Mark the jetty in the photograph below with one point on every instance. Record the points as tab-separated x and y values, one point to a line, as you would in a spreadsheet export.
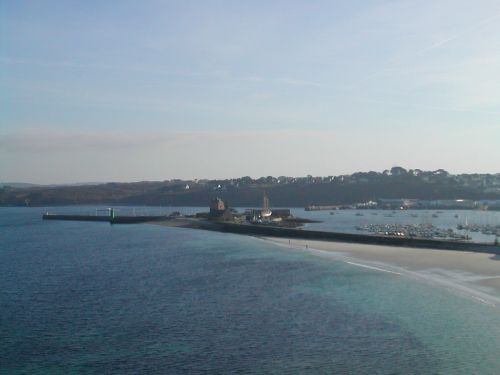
279	223
110	218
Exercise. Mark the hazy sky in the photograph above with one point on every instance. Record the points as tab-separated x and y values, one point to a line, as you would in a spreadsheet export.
153	90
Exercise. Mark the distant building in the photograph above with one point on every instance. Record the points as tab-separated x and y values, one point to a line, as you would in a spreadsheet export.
400	203
253	214
217	207
369	204
457	204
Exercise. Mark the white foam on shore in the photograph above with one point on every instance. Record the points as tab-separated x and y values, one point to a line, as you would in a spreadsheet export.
458	282
372	268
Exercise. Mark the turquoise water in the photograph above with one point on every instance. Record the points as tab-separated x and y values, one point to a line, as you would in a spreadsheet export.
95	298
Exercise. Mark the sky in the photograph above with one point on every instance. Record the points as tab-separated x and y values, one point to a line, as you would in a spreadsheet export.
155	90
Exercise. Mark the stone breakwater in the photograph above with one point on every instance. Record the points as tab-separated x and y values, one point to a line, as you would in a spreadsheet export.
272	231
105	218
275	231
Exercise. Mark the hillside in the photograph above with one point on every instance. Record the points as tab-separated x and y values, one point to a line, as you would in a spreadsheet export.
282	191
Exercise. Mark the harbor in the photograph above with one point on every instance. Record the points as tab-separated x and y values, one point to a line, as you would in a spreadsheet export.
475	226
412	231
314	226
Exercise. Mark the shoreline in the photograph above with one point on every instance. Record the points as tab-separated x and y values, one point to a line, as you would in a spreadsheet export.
351	238
472	270
470	274
285	231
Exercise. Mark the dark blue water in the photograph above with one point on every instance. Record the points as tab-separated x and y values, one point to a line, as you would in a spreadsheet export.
95	298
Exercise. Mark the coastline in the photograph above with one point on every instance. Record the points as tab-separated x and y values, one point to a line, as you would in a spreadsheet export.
471	274
317	235
469	269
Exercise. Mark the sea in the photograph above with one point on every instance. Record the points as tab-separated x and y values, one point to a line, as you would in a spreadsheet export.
95	298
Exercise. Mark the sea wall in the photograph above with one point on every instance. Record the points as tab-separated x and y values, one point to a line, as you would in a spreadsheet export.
263	230
76	217
109	219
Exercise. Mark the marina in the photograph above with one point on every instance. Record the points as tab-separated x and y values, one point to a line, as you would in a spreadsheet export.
474	225
412	231
491	230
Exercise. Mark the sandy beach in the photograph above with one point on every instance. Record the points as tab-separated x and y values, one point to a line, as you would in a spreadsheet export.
473	275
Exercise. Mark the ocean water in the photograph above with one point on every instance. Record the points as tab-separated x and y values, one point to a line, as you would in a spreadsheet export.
81	297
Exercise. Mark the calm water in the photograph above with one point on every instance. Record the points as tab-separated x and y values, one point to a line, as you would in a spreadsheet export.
95	298
347	220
